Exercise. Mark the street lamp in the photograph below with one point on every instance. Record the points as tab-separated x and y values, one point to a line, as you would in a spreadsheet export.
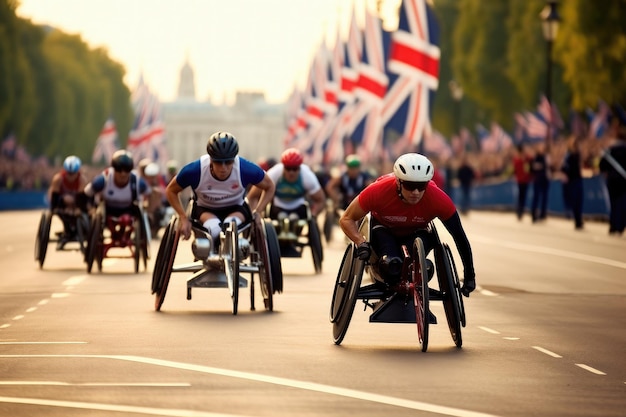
457	94
550	23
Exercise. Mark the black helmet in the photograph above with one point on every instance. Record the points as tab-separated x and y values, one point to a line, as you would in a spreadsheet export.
122	161
222	146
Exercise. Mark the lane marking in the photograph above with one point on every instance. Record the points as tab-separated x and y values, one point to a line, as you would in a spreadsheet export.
488	330
309	386
72	281
99	384
550	251
116	408
31	309
488	293
590	369
547	352
4	326
18	317
511	338
42	343
60	295
43	302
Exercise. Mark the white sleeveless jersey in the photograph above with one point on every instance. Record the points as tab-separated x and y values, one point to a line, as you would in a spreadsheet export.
213	193
115	196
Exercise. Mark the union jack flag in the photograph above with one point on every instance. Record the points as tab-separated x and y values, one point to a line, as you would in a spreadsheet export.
106	144
414	60
371	88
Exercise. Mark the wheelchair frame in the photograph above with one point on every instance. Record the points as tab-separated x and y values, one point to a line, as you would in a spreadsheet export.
62	238
405	302
222	269
309	236
100	241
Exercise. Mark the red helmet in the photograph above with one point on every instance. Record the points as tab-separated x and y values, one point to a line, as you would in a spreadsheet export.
292	158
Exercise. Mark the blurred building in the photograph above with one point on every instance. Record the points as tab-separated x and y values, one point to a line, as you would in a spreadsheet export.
258	126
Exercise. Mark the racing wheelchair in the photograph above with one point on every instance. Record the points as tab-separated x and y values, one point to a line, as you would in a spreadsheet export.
296	234
75	228
124	236
252	247
404	302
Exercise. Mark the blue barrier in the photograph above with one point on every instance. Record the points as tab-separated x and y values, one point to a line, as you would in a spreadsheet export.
503	196
23	200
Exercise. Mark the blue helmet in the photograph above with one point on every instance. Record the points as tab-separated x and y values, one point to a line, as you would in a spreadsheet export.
72	164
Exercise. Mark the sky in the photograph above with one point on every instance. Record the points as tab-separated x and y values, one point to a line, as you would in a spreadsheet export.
232	45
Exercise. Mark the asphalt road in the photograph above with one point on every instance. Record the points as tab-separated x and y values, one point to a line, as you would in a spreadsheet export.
545	336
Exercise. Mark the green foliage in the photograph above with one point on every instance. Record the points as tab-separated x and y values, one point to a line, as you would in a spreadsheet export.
496	51
55	91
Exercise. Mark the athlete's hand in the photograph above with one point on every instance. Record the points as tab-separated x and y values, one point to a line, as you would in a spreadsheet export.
363	251
469	284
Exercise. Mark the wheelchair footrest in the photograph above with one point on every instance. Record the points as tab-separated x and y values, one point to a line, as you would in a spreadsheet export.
396	309
372	291
213	279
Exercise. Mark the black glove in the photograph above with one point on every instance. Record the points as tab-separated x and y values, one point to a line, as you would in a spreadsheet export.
469	284
363	251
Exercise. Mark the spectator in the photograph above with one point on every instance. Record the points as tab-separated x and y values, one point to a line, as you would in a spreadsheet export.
613	168
541	183
573	181
522	161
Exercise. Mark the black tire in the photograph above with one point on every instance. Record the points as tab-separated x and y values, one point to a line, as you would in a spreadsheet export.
145	241
273	249
352	285
265	270
165	262
229	249
456	285
339	292
315	242
82	231
420	292
43	237
137	243
94	246
329	222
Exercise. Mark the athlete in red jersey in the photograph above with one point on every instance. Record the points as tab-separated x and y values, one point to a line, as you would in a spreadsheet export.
402	205
66	189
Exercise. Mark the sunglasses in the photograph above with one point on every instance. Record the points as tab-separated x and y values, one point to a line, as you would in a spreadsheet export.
229	162
126	171
412	186
292	168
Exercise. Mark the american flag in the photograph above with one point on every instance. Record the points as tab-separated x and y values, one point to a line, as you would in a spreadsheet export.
599	123
106	144
414	58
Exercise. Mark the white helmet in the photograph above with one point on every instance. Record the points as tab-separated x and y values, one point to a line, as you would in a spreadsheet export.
413	167
152	169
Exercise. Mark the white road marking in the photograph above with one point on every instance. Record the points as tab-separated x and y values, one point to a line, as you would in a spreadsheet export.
309	386
70	282
116	408
4	326
18	317
42	343
488	293
31	309
99	384
60	295
590	369
550	251
488	330
547	352
511	338
43	302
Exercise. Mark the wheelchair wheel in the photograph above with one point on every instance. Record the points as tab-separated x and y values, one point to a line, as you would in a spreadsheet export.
339	292
450	294
259	241
94	245
137	243
346	289
165	262
230	253
43	237
329	222
456	285
420	292
315	241
82	231
273	252
145	240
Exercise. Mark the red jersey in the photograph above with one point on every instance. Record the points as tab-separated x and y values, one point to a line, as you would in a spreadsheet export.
382	200
521	168
67	186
